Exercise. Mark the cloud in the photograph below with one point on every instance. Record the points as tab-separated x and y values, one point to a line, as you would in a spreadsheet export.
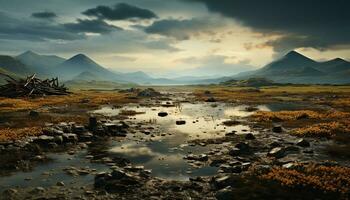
183	29
319	24
121	11
24	29
44	15
91	26
214	65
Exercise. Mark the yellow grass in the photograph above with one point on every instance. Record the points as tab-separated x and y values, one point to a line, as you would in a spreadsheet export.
265	116
327	129
16	133
329	179
79	99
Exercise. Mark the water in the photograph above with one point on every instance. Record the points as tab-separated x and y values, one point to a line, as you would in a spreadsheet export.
163	152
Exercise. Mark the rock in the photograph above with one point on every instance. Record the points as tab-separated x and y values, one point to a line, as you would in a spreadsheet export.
10	192
303	143
134	168
251	109
33	113
234	152
50	131
70	137
274	144
118	174
180	122
44	140
78	129
60	183
86	137
289	165
162	114
277	152
277	129
231	169
249	136
201	157
225	194
211	99
303	116
243	147
232	133
149	92
38	190
93	123
58	139
223	181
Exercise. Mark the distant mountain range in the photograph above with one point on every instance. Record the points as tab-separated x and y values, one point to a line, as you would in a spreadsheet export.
297	68
291	68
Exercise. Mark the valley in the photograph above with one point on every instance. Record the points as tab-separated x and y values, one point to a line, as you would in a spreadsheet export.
200	142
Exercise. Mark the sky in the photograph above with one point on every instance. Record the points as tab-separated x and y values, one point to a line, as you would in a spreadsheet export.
177	37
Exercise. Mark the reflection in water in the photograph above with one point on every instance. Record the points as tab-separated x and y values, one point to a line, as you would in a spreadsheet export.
164	155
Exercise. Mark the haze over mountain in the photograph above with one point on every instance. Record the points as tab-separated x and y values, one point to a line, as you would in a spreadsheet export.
41	64
291	68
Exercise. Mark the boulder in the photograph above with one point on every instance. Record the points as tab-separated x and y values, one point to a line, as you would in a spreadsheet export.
149	92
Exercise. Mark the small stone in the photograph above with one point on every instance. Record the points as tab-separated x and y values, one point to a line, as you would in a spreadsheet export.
249	136
60	183
225	194
277	129
33	113
303	143
162	114
277	152
180	122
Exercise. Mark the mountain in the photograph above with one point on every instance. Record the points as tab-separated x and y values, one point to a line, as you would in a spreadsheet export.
87	76
81	63
41	64
297	68
12	65
137	75
335	65
291	62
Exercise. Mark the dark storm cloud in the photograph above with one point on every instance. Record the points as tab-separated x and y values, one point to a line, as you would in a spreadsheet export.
121	11
91	26
181	29
304	23
44	15
23	29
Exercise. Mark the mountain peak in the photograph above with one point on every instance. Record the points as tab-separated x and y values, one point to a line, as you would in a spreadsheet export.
294	54
29	53
339	60
80	56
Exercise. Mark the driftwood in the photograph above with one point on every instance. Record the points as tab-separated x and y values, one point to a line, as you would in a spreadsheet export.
31	86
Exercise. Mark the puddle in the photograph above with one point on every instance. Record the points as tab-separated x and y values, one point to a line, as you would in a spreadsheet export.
50	173
163	154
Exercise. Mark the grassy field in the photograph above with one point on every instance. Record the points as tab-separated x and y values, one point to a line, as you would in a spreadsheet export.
73	107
